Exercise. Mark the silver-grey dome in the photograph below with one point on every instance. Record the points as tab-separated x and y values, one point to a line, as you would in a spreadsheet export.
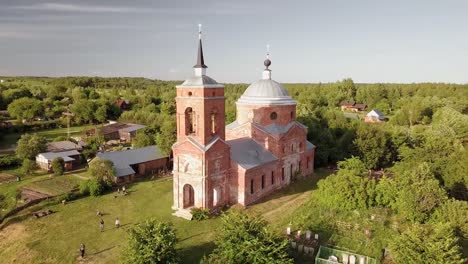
200	81
266	91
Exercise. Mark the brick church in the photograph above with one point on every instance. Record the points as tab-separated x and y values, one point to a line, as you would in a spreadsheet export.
257	154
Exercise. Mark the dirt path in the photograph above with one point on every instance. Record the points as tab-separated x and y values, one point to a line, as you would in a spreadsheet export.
291	204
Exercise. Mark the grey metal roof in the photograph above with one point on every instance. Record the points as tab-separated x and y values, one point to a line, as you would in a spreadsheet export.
123	159
276	129
249	154
132	127
200	81
63	154
266	92
376	113
62	146
204	147
309	145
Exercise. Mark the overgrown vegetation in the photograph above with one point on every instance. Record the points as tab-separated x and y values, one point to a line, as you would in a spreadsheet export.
152	242
246	239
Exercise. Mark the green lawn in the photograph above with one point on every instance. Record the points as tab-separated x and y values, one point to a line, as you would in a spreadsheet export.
51	134
56	238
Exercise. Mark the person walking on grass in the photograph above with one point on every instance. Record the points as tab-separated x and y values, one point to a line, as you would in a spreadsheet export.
101	225
82	250
117	223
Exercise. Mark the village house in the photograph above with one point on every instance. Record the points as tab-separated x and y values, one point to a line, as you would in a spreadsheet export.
124	105
124	132
71	158
375	116
65	145
132	163
352	106
262	151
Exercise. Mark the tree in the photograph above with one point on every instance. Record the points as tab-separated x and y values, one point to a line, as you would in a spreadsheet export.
372	144
95	187
419	193
27	167
83	110
455	213
102	170
152	242
347	190
101	113
25	108
246	239
427	244
354	165
58	166
449	117
142	139
166	138
30	145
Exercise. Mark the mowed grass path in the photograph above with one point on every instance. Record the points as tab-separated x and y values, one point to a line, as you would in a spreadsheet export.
56	238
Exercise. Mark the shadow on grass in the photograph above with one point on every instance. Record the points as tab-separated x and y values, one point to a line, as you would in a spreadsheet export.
194	254
299	186
192	236
103	250
27	212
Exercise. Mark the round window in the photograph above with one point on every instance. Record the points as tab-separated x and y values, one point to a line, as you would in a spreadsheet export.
189	93
273	116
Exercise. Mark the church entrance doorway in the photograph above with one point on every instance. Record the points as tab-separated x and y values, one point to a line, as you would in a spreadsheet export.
189	196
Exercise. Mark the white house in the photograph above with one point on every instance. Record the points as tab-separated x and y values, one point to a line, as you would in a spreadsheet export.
375	116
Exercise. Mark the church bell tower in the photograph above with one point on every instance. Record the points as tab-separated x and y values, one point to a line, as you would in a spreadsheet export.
201	157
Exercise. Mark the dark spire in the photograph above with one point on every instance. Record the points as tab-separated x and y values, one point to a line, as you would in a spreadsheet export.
200	59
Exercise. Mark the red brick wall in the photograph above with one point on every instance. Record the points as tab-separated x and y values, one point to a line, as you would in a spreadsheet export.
152	166
203	102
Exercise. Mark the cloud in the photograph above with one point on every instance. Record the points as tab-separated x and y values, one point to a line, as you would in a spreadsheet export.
14	35
215	9
57	7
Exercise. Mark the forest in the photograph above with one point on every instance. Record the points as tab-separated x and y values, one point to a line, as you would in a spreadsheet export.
421	151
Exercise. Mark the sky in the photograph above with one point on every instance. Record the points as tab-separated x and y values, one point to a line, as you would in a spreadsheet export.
310	40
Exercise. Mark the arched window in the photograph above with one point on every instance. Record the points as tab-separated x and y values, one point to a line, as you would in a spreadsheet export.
273	115
189	124
213	122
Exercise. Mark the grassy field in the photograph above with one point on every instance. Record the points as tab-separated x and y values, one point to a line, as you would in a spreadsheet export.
56	238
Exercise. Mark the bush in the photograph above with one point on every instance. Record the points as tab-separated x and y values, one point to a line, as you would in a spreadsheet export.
58	166
96	188
151	242
84	187
8	161
200	214
28	166
66	196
